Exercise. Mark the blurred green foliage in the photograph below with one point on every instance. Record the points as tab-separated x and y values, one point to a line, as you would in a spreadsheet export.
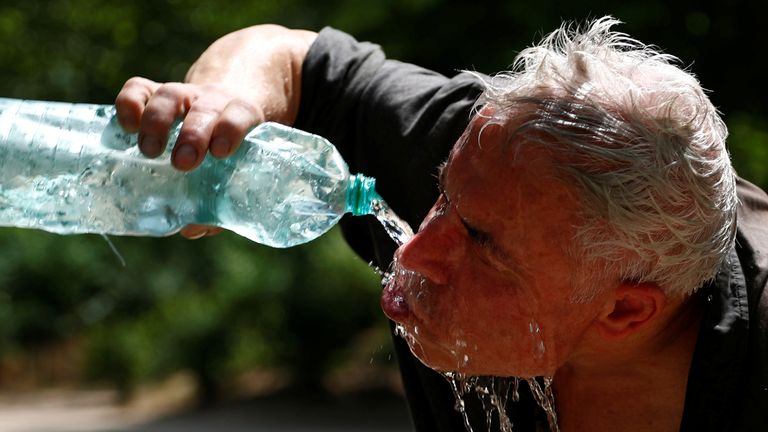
223	305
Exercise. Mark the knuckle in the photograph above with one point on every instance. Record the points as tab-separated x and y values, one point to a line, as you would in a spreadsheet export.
238	117
203	111
154	120
168	90
192	137
135	81
139	85
246	107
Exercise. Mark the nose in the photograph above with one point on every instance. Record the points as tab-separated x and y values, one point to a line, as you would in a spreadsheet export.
435	251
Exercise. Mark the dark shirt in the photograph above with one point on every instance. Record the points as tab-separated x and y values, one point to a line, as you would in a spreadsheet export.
397	122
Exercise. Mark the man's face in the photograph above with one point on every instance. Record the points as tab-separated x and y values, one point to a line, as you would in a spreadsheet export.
484	286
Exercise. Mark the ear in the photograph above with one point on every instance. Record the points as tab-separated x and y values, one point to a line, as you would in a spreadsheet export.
629	309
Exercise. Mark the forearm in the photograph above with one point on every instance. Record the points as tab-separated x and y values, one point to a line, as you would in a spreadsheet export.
263	61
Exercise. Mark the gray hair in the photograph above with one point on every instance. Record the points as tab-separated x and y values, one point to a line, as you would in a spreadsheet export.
643	144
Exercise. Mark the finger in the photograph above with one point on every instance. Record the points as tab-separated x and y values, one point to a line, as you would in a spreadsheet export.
234	123
130	101
194	232
212	231
195	135
167	104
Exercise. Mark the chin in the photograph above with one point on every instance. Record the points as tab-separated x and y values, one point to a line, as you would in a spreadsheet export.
474	362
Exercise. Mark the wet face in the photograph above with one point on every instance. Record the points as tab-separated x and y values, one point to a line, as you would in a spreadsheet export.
484	287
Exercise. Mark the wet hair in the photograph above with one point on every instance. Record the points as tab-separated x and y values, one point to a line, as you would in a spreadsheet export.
641	141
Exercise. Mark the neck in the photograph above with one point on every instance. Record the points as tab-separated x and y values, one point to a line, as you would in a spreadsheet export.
637	384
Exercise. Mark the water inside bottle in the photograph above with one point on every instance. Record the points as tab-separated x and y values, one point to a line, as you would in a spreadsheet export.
61	200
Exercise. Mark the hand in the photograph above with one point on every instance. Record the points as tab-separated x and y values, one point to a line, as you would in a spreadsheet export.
216	118
244	78
194	232
214	114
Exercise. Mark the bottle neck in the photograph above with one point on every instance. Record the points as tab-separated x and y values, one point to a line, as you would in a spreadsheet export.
361	195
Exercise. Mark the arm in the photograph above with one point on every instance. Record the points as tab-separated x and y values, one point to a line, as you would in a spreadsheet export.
389	119
245	78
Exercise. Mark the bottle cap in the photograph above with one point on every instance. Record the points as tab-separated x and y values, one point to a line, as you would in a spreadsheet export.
361	194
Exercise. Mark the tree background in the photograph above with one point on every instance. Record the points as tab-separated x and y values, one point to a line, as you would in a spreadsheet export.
70	310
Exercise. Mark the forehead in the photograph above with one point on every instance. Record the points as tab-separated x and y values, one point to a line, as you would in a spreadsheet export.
510	185
486	153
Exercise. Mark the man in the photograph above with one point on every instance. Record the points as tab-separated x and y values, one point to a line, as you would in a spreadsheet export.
583	229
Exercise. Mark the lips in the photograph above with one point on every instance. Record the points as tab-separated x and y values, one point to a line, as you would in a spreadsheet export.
393	302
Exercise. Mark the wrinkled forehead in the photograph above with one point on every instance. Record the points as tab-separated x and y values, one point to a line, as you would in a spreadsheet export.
489	142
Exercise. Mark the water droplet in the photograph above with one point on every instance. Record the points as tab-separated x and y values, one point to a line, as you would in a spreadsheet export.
400	331
399	300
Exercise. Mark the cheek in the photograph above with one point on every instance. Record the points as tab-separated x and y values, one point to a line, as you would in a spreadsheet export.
506	322
488	310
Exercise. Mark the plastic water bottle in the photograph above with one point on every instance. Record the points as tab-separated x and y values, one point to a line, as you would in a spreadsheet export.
70	168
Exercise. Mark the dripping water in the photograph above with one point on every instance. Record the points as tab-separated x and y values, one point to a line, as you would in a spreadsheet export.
493	392
545	398
114	249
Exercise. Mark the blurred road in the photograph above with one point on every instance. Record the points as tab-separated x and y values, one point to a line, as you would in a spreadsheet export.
364	414
93	411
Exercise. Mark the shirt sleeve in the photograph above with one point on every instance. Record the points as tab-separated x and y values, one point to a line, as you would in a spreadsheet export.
390	120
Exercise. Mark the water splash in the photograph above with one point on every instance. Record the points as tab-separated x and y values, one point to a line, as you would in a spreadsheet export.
401	331
398	229
493	393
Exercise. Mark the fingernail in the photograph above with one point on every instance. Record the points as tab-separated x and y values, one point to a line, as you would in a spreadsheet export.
198	235
150	145
220	147
186	155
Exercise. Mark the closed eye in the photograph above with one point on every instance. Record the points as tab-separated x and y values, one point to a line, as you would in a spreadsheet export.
480	237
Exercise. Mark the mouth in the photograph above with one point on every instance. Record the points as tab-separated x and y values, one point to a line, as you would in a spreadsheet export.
403	301
393	302
426	346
